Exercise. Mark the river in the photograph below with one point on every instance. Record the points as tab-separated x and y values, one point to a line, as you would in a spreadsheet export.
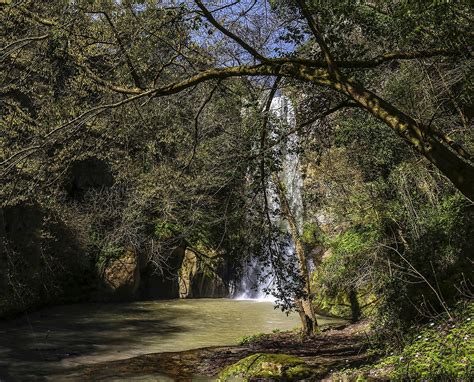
52	343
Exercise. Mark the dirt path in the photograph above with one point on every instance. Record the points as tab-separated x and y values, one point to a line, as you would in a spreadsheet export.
333	349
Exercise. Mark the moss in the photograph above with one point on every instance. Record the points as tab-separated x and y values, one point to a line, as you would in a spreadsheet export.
275	366
355	241
311	234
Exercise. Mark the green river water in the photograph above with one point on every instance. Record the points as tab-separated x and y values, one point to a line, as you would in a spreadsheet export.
52	343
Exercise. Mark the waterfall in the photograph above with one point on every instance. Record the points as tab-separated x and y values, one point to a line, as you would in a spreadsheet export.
251	286
290	174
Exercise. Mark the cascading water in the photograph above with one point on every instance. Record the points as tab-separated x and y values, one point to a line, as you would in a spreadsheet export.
251	286
291	173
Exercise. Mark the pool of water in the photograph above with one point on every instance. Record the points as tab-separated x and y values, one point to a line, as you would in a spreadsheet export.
54	341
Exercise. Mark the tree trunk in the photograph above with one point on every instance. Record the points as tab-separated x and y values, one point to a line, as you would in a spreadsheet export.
304	305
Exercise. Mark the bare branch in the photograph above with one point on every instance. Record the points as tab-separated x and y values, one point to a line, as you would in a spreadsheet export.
15	45
263	139
123	49
401	55
228	33
35	17
300	126
108	85
196	124
318	37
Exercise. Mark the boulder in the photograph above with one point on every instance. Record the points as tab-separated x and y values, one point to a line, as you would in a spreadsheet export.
268	367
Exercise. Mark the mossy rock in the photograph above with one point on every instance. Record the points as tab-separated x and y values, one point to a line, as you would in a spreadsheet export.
275	367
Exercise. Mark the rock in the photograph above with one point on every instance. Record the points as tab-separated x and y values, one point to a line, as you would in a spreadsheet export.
204	286
195	283
272	368
186	274
162	283
122	276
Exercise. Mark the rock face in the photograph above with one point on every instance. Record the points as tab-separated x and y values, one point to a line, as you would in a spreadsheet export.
122	277
205	286
164	283
184	277
195	282
41	261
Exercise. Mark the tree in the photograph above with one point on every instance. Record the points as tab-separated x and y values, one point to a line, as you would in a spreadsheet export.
302	296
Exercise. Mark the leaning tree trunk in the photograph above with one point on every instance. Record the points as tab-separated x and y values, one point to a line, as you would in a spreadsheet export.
445	154
304	305
450	158
306	311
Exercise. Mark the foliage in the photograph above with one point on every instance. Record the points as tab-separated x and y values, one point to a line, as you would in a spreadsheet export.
394	233
175	175
348	248
339	280
405	249
247	340
375	150
311	235
86	81
441	350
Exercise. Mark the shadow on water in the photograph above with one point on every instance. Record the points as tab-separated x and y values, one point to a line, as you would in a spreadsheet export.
65	342
35	345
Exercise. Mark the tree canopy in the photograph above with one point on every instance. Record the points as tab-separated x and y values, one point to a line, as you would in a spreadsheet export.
133	56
